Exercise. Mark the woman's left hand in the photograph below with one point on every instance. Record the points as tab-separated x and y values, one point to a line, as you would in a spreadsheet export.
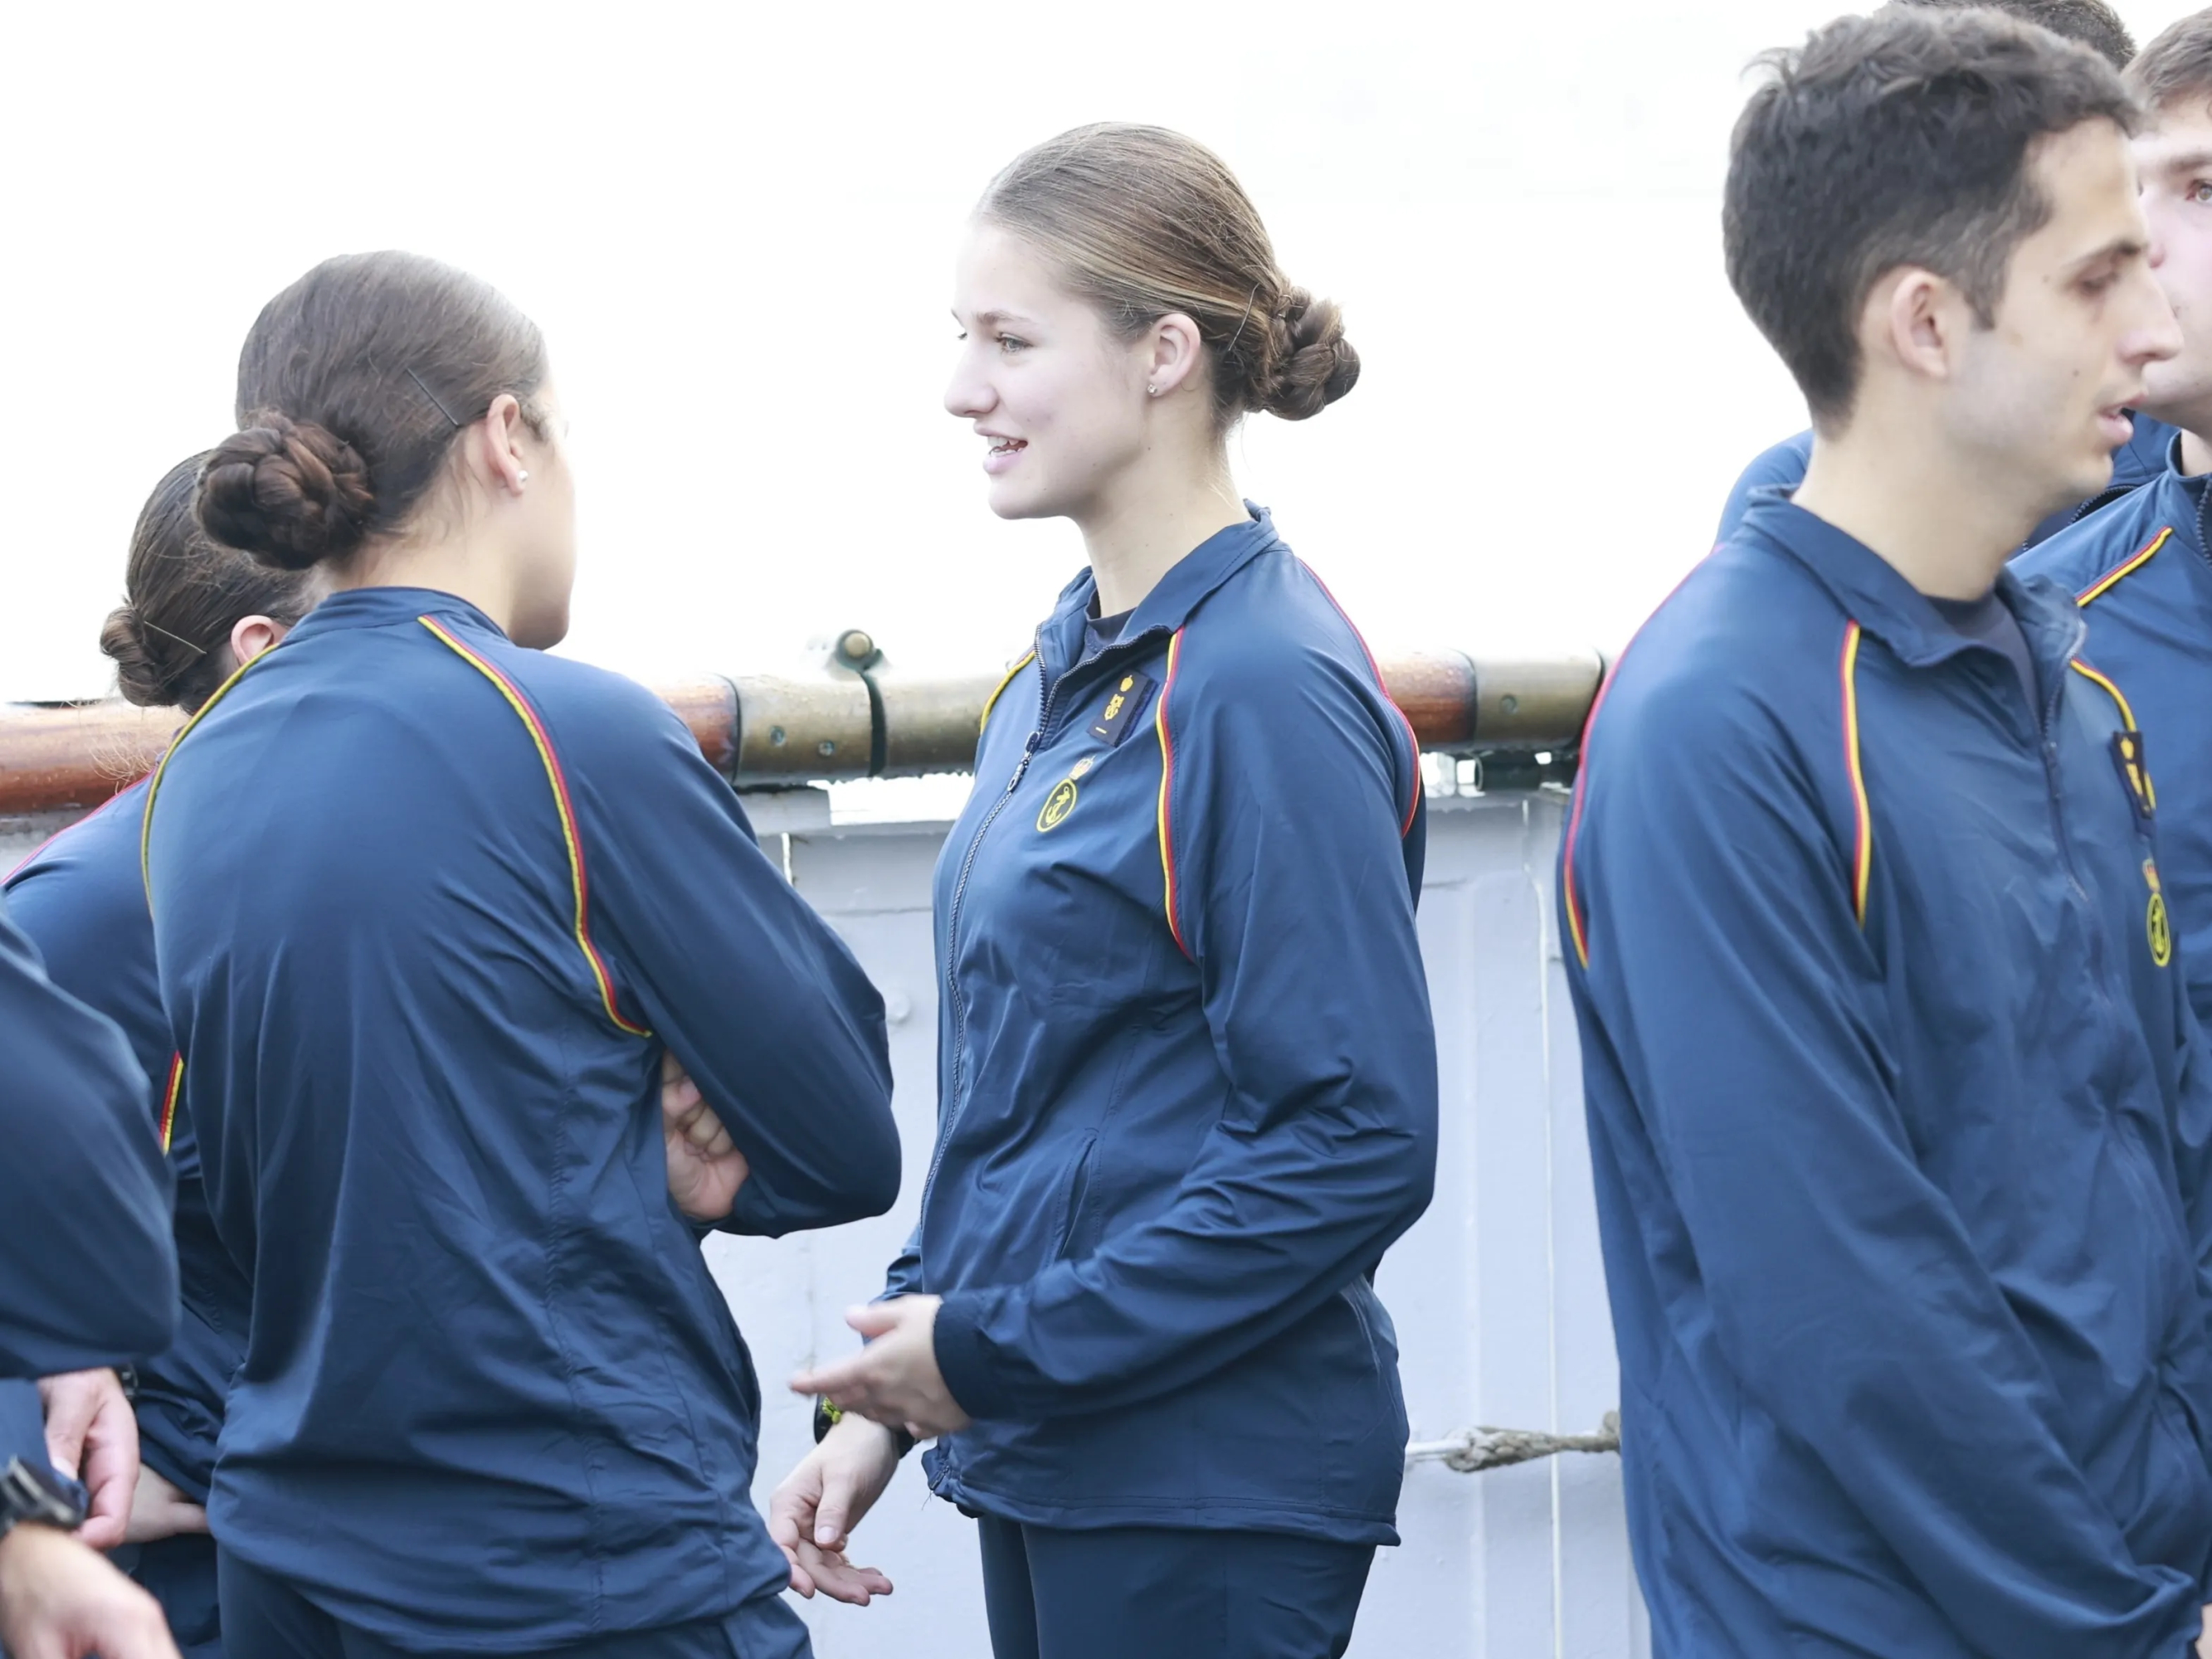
159	1511
705	1172
894	1379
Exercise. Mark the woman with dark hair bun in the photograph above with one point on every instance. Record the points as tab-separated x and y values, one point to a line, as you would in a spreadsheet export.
434	910
1187	1076
193	611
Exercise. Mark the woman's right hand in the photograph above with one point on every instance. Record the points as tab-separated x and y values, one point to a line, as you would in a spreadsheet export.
813	1512
159	1509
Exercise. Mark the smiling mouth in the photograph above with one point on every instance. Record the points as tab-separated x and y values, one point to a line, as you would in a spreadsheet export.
1008	445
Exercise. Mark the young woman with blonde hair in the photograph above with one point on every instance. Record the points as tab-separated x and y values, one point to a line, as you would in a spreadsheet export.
1187	1073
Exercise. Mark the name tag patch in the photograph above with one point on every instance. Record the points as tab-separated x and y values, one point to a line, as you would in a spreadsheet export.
1123	705
2128	756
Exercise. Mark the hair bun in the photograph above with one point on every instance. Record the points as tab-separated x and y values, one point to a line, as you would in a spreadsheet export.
1313	363
145	676
288	492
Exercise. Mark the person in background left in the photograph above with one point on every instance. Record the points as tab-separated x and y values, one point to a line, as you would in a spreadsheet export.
194	611
2090	23
88	1277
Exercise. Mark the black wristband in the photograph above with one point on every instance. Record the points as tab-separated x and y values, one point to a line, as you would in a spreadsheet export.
30	1493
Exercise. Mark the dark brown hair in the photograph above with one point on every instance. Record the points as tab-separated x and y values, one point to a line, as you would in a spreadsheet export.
352	385
2178	64
183	593
2090	22
1142	221
1901	138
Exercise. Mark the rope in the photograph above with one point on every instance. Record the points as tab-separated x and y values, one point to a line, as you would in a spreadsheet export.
1471	1450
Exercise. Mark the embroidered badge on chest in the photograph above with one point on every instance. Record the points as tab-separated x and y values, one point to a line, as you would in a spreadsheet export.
2128	756
2156	921
1123	704
1061	801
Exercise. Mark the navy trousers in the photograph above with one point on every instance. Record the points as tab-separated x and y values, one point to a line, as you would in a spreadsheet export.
179	1573
1162	1593
264	1617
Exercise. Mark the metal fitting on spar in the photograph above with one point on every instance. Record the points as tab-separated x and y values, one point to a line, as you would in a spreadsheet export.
858	717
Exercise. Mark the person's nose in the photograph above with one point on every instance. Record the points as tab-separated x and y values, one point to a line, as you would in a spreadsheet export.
968	396
2157	334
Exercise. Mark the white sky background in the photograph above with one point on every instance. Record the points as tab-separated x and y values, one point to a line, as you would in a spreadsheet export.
736	223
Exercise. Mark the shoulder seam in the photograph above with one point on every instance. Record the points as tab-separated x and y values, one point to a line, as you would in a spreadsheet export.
1006	680
1167	777
1413	738
2127	567
161	767
570	834
1862	839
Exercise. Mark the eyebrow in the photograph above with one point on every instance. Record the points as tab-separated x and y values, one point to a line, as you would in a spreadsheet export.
990	318
2120	247
2189	160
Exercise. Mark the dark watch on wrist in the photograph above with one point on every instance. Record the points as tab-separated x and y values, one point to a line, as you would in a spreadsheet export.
31	1493
828	1415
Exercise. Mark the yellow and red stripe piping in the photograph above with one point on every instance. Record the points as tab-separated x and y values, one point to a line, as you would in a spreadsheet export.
1862	846
992	702
176	1086
1572	902
1167	779
563	807
2127	567
1413	794
154	789
2127	719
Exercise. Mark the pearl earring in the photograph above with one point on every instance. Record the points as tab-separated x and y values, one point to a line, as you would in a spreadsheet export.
1152	392
522	477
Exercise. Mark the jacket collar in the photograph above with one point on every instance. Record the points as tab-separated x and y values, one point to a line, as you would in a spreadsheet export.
2182	501
1873	593
379	607
1187	585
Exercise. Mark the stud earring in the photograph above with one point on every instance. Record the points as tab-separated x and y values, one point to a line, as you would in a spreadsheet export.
1152	392
522	477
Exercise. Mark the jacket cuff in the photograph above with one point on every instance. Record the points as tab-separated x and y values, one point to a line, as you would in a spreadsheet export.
22	1425
964	1356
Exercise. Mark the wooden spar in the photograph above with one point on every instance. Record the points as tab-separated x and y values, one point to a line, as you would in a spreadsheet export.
763	732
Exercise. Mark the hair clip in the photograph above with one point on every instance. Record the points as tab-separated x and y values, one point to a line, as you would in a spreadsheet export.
1250	300
196	650
434	403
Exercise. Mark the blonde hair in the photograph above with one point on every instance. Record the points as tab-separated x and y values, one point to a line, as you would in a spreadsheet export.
1142	221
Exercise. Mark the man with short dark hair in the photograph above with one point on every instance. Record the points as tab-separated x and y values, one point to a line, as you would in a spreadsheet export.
2090	23
1901	1128
2142	569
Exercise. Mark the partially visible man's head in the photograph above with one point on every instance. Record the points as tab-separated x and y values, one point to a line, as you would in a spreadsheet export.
2173	155
2091	22
1939	205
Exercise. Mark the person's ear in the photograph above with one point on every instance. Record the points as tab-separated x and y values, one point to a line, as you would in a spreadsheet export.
499	444
1174	351
252	636
1918	316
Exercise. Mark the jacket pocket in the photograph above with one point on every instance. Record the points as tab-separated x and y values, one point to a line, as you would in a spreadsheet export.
1071	1203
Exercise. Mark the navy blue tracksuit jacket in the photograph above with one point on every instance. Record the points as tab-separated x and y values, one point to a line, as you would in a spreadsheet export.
1900	1125
1187	1074
81	900
2134	462
2141	572
88	1274
427	908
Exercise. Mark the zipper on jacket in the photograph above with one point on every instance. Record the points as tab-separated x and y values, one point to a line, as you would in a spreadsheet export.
957	1098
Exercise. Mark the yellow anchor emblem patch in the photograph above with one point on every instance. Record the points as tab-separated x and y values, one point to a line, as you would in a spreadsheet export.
2160	927
1061	801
